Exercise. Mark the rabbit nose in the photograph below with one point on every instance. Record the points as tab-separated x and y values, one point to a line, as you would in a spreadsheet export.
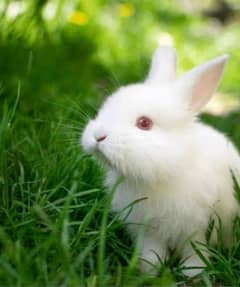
101	138
100	133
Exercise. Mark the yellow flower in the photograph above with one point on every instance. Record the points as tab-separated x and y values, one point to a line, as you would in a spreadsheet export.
78	18
126	10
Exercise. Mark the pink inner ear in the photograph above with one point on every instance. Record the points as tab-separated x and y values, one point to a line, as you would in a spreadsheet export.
203	89
205	79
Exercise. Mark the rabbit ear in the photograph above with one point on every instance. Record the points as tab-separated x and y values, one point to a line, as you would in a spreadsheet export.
198	85
163	66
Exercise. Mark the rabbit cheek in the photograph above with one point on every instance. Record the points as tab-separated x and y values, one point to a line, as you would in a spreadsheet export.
105	151
114	151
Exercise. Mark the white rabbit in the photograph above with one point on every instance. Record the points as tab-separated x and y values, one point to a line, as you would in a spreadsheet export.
149	134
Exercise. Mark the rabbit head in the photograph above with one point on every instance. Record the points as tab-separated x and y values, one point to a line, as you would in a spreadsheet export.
145	131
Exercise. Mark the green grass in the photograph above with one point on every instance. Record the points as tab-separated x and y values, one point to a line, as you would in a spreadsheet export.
56	228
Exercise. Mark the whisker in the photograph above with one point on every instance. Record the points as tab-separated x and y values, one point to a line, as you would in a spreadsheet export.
93	108
70	127
71	140
75	123
75	144
115	79
77	108
73	107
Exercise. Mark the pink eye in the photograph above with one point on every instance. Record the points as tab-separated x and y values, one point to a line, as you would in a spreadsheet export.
144	123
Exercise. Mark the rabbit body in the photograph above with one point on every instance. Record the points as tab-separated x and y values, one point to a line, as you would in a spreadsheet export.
178	169
180	208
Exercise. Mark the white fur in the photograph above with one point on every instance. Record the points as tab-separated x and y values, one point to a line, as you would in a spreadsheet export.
163	68
181	167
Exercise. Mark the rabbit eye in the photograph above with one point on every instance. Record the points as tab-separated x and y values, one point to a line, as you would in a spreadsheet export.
144	123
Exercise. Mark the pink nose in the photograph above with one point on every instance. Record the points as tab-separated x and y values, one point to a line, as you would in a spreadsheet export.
100	139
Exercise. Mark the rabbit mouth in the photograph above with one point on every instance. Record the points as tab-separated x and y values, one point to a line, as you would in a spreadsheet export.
107	155
101	155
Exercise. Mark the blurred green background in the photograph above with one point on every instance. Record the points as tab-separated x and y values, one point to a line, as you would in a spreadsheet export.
67	49
58	61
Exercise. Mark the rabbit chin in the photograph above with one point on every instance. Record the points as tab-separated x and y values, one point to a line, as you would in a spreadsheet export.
136	167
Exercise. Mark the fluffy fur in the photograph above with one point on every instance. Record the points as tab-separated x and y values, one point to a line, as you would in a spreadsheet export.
181	166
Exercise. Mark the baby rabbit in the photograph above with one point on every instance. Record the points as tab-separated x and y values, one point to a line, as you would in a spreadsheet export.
149	133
